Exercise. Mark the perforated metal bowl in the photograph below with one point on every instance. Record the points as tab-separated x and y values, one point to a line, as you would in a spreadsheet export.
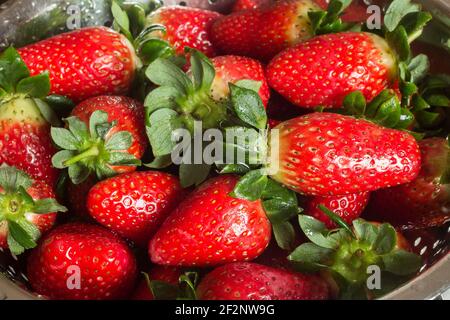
433	281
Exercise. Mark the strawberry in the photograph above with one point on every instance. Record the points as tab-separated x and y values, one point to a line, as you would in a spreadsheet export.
185	27
355	12
25	119
349	207
423	202
77	196
263	32
324	154
232	69
28	209
82	261
251	281
114	142
323	70
240	5
210	227
169	275
350	254
84	63
134	204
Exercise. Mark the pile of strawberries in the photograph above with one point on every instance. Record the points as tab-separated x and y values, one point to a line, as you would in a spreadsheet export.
357	136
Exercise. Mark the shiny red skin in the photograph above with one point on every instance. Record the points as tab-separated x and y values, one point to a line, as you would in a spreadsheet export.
44	222
323	70
263	32
251	281
240	5
422	203
326	154
210	227
231	69
186	27
134	204
129	115
107	266
349	207
29	147
84	63
355	12
161	273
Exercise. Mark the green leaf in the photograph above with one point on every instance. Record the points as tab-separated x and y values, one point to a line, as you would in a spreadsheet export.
78	128
386	239
355	103
163	291
12	69
249	84
311	253
336	219
24	233
402	263
152	49
280	210
36	86
284	235
163	123
365	231
188	282
123	159
240	169
97	118
49	115
251	185
438	100
160	162
414	24
48	205
396	11
398	39
14	246
163	72
161	97
121	140
64	139
248	106
315	231
193	174
60	104
61	157
203	71
418	67
12	178
78	173
121	20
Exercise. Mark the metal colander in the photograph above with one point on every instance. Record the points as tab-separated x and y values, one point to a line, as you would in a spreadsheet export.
433	281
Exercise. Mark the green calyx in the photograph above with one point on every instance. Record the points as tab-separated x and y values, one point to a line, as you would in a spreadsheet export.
350	253
92	150
329	21
16	204
185	290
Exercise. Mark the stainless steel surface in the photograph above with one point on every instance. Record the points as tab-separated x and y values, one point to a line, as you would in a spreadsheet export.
432	283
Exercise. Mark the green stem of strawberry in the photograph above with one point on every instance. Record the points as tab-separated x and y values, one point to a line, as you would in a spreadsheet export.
89	153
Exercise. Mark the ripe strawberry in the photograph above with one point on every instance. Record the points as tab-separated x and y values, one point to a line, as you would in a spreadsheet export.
355	12
134	204
24	125
113	144
324	154
210	227
232	69
323	70
185	27
240	5
165	274
424	202
263	32
349	207
28	209
82	261
251	281
84	63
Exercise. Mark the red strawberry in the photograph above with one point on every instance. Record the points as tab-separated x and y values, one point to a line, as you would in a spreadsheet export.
231	69
77	196
28	209
186	27
355	12
240	5
82	261
325	154
323	70
349	207
263	32
134	204
24	128
424	202
113	144
165	274
84	63
210	227
251	281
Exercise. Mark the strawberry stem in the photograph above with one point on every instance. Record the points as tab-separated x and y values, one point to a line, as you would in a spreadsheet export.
91	152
